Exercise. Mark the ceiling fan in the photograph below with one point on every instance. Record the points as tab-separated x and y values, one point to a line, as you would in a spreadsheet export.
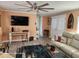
35	7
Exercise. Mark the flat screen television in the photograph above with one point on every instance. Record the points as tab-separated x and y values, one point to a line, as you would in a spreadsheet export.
19	21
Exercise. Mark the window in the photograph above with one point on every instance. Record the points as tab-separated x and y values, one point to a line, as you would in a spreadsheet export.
70	22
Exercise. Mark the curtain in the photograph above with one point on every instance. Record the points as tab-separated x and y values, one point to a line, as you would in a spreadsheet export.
58	26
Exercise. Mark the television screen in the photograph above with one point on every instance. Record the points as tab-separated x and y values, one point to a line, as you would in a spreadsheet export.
19	20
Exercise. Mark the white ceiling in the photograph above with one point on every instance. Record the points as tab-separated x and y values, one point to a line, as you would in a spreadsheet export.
60	6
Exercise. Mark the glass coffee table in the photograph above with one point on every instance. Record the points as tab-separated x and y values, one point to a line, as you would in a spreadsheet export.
37	51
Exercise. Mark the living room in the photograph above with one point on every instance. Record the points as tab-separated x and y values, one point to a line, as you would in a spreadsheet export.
40	26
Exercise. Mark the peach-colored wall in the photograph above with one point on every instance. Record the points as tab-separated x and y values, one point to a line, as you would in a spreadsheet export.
6	24
32	20
2	24
75	14
6	27
45	22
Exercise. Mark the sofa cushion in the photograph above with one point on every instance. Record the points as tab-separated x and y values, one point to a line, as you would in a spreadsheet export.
68	35
75	54
66	40
69	41
63	40
76	36
75	43
57	44
66	48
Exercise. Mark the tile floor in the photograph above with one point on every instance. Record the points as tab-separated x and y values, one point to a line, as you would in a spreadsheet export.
13	47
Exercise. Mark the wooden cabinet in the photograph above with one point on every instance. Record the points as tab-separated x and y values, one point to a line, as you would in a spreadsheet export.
18	36
46	33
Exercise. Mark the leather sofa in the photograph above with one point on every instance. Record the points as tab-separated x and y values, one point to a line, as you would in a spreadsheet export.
69	44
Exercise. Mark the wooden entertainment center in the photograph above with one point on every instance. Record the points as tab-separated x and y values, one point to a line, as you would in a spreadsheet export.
19	28
20	36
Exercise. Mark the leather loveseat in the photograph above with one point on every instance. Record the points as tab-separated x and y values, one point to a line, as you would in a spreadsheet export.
69	44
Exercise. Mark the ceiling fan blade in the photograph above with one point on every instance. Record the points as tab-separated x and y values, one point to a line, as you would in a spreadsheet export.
43	5
22	5
43	10
48	8
29	3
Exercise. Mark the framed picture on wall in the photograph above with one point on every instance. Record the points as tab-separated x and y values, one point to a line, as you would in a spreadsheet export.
70	22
